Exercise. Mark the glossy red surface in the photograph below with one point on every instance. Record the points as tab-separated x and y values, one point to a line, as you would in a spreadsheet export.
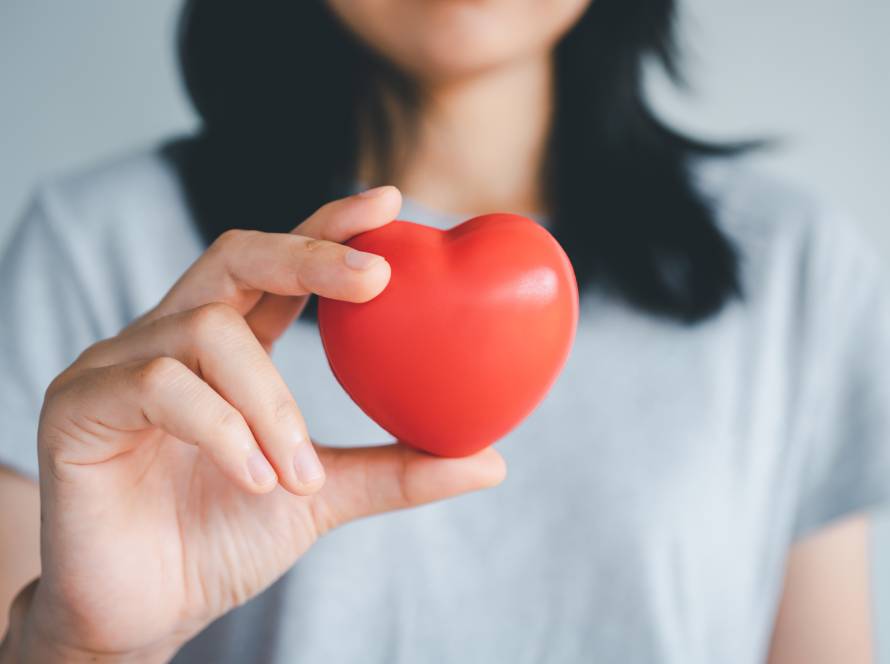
467	338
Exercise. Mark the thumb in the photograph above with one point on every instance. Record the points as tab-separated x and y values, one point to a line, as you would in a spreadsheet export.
369	480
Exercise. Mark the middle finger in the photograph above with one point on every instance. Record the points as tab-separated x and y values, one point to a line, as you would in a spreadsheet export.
216	343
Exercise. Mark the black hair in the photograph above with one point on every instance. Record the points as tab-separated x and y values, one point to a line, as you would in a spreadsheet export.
281	88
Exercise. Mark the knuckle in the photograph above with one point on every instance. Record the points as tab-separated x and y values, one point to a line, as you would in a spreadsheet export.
96	353
313	245
208	320
310	255
51	449
56	386
52	401
285	411
229	422
62	409
230	240
157	375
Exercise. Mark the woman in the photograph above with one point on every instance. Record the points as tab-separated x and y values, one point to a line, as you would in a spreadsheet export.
715	438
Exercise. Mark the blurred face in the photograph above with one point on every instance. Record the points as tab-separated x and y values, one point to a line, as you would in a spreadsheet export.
437	40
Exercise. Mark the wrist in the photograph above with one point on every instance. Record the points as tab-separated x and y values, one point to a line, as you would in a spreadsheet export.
29	639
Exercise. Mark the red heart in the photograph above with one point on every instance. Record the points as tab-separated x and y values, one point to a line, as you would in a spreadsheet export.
466	339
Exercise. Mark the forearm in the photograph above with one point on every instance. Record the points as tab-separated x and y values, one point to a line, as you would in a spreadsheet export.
26	641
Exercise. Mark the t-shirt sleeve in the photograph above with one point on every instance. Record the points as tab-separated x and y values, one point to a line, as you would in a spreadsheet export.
845	417
47	320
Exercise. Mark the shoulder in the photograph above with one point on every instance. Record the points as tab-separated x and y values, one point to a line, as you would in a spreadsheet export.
784	233
116	195
120	231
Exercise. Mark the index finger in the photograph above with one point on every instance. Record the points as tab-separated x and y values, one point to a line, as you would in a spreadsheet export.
243	265
273	314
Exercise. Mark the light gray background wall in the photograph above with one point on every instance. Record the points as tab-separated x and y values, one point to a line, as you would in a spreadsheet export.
82	80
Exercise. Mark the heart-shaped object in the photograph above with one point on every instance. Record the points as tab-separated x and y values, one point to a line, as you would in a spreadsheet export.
466	339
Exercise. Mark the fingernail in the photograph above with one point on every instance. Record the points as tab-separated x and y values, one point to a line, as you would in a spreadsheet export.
376	191
260	470
360	260
306	464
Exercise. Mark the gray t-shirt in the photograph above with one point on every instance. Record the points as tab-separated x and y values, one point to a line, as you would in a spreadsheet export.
651	498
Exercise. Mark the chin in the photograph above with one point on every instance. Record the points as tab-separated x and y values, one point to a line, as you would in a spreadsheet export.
456	52
444	39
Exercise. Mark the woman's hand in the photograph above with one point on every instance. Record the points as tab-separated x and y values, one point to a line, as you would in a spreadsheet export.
177	476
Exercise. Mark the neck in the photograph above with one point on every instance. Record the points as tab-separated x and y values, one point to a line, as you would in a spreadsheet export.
479	143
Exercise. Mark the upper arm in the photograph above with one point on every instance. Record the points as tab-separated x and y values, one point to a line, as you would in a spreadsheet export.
19	537
825	613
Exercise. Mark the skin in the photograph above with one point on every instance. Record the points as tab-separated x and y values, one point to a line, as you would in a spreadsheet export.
825	612
170	416
477	64
170	449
